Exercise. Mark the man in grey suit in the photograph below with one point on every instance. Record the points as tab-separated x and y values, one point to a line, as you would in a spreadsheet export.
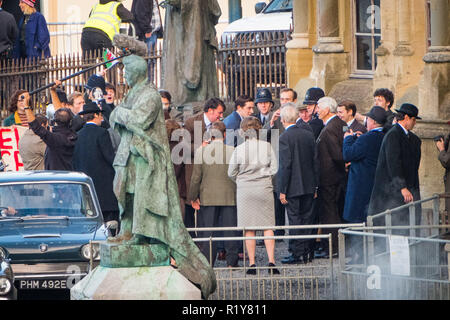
213	193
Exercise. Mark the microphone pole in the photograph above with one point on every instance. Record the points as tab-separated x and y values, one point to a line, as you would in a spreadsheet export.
76	74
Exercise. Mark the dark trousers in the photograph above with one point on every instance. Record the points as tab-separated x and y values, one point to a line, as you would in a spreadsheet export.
331	201
189	219
300	212
280	217
91	40
210	216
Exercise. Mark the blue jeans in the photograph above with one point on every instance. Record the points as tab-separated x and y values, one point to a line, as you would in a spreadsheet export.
151	45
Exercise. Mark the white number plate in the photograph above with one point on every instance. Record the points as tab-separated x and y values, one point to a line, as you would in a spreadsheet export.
42	284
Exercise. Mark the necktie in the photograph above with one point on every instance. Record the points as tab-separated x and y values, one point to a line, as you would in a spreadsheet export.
263	120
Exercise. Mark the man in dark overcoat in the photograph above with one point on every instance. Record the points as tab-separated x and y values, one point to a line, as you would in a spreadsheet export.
297	181
363	153
332	168
443	145
397	174
94	155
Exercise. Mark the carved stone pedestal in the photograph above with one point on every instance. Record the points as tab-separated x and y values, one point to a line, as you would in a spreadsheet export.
134	272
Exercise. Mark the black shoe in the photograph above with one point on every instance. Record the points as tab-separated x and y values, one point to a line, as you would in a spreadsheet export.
307	257
272	270
291	260
252	271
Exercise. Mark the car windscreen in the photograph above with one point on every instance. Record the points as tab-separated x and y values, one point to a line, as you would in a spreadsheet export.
279	6
71	200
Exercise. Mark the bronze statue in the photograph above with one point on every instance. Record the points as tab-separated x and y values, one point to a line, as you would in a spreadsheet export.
188	63
145	184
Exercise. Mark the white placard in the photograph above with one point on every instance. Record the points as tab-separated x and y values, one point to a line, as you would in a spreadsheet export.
399	247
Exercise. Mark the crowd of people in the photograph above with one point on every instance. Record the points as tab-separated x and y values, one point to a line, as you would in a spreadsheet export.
313	162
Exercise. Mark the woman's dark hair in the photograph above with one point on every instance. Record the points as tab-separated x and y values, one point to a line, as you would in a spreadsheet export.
14	100
386	94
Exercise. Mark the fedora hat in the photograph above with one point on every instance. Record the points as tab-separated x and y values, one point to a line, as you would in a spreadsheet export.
91	107
409	109
378	114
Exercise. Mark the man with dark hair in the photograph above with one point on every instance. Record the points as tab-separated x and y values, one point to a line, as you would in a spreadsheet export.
94	155
8	33
60	141
110	95
385	98
346	111
397	174
213	194
196	126
244	107
166	100
287	95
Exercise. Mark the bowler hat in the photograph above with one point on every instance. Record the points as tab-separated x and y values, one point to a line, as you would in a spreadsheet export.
409	109
263	95
378	114
91	107
313	95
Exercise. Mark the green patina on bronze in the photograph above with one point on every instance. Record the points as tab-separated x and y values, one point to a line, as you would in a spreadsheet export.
126	256
145	183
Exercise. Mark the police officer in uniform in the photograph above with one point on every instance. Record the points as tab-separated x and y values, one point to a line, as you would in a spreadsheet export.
103	23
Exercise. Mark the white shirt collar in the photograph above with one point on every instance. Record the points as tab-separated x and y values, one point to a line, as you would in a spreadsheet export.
207	122
350	122
406	131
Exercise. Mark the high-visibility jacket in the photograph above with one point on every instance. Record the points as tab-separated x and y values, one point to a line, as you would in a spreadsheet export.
105	18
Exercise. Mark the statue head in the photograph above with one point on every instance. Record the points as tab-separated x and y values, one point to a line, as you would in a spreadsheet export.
135	69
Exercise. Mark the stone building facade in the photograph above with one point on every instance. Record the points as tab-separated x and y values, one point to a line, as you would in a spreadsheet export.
351	47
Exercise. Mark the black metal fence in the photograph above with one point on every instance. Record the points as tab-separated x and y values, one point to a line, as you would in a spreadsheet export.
244	63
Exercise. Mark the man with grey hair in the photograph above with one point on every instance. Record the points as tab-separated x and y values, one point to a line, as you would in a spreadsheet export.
331	190
296	181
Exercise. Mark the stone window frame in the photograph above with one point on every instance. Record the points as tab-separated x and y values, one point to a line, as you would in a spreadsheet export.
362	73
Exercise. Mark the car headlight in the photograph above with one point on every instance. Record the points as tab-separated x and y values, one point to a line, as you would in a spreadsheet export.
2	253
5	286
86	251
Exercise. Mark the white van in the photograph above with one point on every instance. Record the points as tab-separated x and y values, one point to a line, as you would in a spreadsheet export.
252	50
275	16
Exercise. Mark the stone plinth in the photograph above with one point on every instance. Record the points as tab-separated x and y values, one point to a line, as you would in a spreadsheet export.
144	283
134	272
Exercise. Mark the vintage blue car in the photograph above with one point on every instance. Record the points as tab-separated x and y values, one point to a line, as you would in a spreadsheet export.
50	226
